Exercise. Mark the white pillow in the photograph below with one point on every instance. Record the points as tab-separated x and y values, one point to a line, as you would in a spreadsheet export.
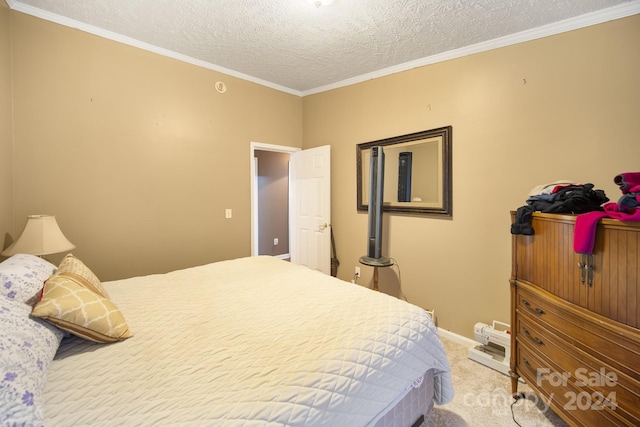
22	277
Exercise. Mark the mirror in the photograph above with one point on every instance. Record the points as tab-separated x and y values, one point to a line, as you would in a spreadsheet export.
417	172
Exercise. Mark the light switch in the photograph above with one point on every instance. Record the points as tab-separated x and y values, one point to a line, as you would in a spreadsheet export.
228	213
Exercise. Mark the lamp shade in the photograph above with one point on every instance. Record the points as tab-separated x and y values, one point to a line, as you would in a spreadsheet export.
41	236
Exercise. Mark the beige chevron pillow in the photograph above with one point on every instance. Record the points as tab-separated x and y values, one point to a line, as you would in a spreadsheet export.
72	267
71	306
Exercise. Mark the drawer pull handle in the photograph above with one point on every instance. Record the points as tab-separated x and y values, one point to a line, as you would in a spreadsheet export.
532	338
586	268
583	268
528	305
539	374
590	269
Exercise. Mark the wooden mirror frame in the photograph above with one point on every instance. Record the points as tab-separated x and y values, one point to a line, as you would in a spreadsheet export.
443	207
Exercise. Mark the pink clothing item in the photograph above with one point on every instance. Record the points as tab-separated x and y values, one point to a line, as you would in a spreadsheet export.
634	189
627	180
584	233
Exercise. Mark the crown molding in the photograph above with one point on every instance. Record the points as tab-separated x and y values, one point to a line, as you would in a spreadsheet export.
67	22
616	12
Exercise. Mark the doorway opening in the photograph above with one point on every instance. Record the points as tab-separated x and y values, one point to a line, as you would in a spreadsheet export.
270	199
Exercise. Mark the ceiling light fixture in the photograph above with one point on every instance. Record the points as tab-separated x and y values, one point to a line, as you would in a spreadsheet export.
318	3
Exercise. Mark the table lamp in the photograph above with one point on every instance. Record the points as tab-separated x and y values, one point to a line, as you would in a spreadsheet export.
41	236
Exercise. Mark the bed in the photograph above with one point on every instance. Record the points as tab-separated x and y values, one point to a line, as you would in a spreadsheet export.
254	341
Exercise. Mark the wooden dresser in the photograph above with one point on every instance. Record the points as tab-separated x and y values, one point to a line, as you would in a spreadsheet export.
575	320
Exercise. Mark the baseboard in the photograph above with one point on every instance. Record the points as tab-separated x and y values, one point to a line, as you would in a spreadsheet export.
455	337
283	256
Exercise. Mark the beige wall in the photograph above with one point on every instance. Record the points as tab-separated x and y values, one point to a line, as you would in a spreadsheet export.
6	127
137	154
562	107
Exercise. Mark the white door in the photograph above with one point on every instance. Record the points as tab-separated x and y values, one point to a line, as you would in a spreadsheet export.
310	208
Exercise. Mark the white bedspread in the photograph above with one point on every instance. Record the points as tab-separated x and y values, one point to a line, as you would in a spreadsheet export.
253	341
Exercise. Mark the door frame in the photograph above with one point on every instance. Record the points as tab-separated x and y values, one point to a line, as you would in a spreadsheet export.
254	191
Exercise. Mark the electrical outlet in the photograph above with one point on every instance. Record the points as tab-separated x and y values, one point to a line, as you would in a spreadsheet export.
275	242
357	271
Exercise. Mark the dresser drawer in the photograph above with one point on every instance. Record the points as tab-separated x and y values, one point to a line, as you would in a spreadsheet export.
616	345
578	405
606	387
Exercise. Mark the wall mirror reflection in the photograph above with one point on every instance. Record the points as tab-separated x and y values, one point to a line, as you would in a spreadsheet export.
417	172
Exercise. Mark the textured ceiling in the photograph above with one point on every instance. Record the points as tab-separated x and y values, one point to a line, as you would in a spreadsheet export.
296	47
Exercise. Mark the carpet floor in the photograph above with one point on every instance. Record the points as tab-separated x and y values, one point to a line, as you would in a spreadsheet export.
483	398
